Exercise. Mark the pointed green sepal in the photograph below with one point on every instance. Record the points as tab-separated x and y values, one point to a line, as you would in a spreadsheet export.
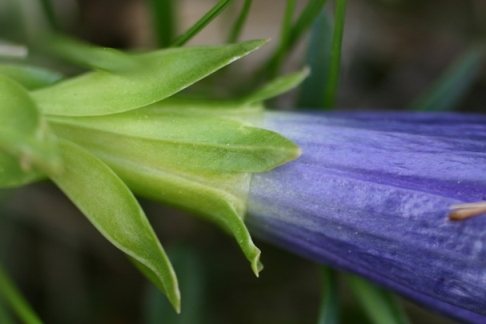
111	207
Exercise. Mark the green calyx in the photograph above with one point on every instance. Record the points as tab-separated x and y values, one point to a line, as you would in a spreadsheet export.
105	135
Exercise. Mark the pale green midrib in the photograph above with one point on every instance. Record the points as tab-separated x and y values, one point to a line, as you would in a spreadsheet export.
228	146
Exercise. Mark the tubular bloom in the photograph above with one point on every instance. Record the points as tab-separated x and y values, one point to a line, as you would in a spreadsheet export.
371	195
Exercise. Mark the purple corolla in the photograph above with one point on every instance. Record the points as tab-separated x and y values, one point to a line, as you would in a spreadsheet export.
371	195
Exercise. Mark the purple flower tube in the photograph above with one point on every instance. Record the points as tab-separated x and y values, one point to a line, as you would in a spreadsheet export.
371	195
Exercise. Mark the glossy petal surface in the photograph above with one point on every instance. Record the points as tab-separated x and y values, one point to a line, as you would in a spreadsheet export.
370	195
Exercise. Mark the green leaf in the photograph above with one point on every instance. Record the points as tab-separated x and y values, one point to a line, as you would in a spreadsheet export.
10	294
30	77
5	317
329	308
283	46
305	20
453	84
240	22
318	59
164	73
199	162
202	144
380	305
335	65
111	207
277	87
26	145
163	20
88	55
201	23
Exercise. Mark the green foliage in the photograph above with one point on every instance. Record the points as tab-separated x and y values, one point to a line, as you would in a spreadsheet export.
10	294
110	206
26	144
380	305
203	22
240	22
192	153
335	65
30	77
329	310
447	91
162	74
318	58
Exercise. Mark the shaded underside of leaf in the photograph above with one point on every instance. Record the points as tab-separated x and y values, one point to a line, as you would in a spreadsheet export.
162	74
111	207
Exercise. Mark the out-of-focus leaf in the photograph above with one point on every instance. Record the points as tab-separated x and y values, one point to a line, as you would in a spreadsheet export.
318	59
26	145
50	14
163	73
88	55
5	317
335	64
240	22
203	22
191	277
11	295
111	207
202	144
163	20
305	20
329	310
453	84
277	60
380	305
30	77
277	87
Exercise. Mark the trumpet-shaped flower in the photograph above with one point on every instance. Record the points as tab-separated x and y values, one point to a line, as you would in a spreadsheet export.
371	195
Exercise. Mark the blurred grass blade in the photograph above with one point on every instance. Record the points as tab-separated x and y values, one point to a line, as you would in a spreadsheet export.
453	84
203	22
305	20
276	87
5	317
163	73
240	22
329	309
380	305
11	295
87	55
163	14
191	277
318	59
111	207
278	60
335	65
26	145
50	14
30	77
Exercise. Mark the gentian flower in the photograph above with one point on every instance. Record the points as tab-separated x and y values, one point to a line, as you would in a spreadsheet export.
371	195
